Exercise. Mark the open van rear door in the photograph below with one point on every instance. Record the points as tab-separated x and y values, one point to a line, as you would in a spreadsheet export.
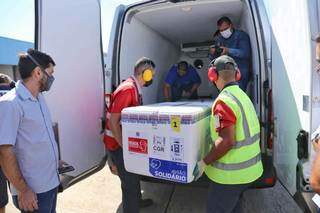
291	87
70	32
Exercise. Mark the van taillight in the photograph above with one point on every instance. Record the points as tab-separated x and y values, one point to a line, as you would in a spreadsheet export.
270	121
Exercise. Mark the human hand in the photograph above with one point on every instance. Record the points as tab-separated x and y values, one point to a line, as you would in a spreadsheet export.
198	169
27	200
113	169
186	94
166	99
225	51
316	144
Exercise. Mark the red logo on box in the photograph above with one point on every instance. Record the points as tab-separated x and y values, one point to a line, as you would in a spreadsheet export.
138	145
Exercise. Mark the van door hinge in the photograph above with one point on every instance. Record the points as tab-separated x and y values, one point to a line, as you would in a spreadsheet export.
302	140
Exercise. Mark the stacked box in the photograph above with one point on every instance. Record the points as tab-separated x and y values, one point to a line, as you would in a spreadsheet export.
166	140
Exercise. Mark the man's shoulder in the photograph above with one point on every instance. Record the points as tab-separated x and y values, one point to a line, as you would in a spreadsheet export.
10	97
10	101
126	86
241	33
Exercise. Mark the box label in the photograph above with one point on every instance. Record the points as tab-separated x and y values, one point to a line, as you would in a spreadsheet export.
168	170
159	145
138	145
177	149
175	122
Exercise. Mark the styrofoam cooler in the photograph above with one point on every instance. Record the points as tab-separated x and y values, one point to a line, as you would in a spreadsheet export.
166	140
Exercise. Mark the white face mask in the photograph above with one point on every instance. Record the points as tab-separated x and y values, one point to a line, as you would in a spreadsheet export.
226	33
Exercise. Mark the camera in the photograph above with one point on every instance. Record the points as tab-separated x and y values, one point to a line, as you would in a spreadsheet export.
218	51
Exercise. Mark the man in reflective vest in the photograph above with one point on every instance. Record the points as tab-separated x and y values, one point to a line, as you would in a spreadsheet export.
234	159
128	94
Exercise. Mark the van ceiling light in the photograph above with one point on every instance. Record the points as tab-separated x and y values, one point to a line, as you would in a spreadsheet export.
186	9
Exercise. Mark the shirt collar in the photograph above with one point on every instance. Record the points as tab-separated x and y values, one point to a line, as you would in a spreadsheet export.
23	92
230	84
138	85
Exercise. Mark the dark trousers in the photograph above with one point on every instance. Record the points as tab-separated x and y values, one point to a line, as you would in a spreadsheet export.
3	190
47	201
243	83
177	90
130	184
224	198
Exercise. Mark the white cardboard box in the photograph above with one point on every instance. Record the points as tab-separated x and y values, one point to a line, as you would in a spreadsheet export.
166	140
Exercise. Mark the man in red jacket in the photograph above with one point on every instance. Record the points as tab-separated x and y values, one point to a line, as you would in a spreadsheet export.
128	94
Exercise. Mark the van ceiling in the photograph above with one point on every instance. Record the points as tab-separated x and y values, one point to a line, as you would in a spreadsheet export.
188	22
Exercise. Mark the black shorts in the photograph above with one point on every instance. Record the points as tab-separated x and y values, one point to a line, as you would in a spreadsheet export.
3	190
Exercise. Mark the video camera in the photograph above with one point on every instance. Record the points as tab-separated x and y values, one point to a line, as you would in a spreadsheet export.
218	51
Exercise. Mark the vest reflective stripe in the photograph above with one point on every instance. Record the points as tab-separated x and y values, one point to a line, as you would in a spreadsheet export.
248	140
237	166
241	164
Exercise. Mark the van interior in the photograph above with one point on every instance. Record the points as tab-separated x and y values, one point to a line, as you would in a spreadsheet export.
170	32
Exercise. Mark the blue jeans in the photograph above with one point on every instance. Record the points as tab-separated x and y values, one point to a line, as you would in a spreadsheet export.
130	184
47	201
177	89
224	198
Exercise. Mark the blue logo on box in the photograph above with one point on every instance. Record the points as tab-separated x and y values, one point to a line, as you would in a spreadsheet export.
168	170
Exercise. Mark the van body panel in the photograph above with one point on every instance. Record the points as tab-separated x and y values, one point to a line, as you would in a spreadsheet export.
112	55
290	82
70	32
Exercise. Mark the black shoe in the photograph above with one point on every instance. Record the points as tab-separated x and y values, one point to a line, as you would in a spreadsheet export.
145	203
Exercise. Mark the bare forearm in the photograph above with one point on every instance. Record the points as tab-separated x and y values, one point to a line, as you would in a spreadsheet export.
116	131
315	174
194	87
166	92
10	167
218	150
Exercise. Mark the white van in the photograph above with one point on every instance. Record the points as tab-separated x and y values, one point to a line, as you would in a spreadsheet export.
283	86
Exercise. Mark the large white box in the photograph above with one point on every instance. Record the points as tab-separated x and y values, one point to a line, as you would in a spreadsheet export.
166	140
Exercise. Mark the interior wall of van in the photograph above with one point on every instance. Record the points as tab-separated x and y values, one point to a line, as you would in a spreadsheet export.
139	40
159	31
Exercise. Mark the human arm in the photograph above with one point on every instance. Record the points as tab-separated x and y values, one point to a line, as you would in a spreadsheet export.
166	92
124	98
315	171
243	49
224	120
10	120
222	145
115	127
196	81
169	81
27	199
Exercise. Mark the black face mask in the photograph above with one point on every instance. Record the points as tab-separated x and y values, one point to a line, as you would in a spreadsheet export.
147	83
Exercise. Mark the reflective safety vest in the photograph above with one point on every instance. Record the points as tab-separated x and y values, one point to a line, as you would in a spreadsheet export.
109	140
242	164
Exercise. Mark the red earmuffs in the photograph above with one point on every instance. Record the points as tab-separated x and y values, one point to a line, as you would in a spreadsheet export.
213	74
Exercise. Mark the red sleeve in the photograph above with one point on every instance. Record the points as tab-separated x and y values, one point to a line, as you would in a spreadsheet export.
224	116
122	100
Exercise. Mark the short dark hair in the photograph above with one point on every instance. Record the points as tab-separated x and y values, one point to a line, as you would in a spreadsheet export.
5	79
26	65
224	19
183	64
318	39
143	61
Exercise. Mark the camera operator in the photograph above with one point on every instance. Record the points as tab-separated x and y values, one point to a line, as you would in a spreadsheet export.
235	43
